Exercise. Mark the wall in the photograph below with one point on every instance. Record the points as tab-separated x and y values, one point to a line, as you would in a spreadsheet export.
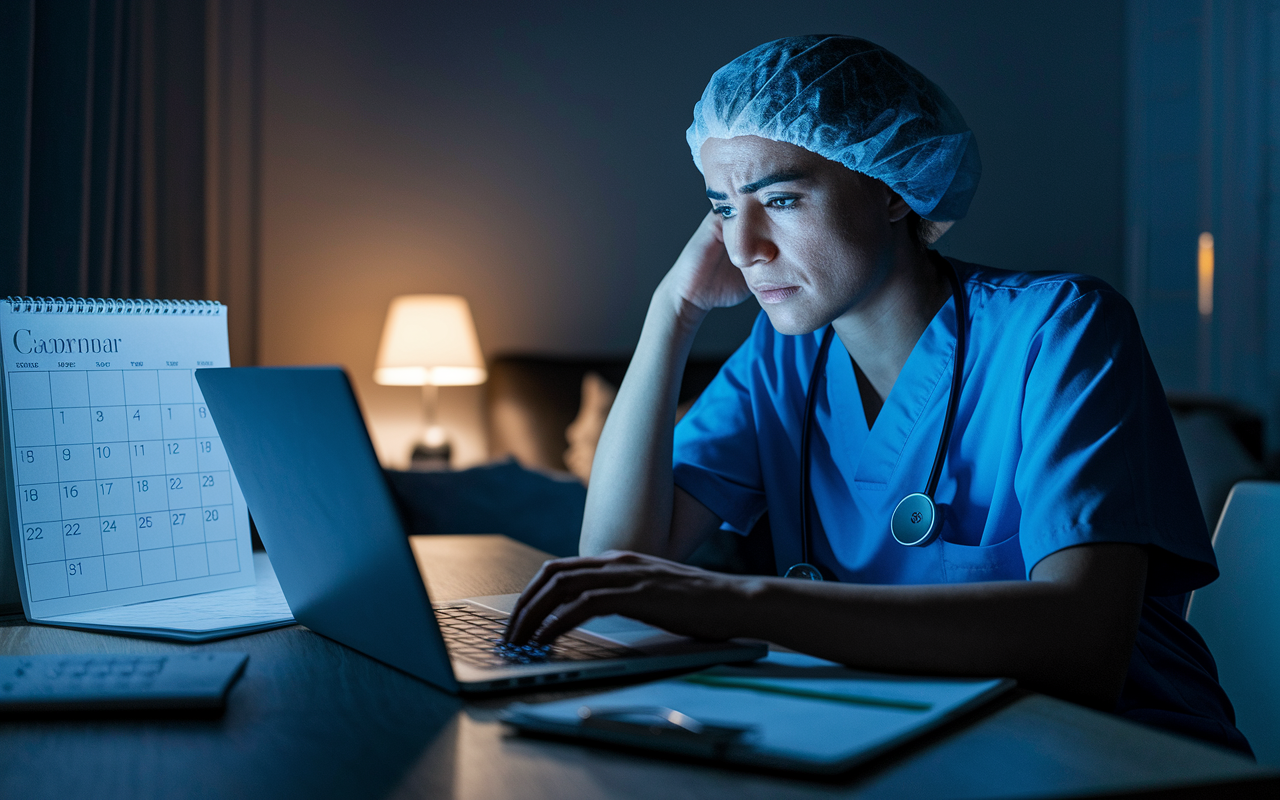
533	159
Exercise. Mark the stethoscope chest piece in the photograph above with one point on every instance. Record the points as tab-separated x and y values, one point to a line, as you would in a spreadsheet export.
805	572
915	521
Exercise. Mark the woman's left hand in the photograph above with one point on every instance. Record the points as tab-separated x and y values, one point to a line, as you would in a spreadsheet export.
675	597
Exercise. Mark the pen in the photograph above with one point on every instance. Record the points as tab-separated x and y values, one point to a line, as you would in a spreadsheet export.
726	682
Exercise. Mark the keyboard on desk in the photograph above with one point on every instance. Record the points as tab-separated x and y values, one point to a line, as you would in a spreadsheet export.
475	637
101	682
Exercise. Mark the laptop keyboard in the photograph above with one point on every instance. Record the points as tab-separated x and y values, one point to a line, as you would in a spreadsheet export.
475	637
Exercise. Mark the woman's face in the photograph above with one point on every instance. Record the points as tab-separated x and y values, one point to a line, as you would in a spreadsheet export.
813	238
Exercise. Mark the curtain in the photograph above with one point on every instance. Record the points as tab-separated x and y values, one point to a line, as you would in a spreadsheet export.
128	152
1203	136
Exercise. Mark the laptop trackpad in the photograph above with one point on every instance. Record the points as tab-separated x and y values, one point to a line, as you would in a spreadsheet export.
613	627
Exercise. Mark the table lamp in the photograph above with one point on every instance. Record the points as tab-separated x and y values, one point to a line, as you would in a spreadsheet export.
429	340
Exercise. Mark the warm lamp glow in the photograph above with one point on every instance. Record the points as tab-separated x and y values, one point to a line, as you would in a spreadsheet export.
1204	275
429	340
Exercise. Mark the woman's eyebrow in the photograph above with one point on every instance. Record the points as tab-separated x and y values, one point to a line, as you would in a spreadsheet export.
755	186
777	177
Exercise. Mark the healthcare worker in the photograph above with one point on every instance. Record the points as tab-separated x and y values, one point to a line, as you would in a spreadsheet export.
1049	532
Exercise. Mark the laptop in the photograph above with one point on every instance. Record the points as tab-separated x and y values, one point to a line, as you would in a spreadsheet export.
322	505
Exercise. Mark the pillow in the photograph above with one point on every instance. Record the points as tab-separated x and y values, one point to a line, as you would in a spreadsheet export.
583	434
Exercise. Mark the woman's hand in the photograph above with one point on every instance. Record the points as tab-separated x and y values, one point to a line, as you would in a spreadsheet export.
703	276
674	597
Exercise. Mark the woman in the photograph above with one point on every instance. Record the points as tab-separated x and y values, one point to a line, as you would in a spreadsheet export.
1066	531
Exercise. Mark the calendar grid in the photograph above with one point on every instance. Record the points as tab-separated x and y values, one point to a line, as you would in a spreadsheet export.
142	488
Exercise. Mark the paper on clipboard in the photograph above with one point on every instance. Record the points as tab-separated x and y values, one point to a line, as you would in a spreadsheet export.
794	712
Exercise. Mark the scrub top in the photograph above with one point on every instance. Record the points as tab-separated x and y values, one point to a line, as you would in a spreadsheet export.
1062	437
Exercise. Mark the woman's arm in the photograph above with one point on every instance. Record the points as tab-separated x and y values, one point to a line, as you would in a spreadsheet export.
1068	631
632	501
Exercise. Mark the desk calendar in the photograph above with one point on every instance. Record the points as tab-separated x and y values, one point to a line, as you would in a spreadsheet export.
120	493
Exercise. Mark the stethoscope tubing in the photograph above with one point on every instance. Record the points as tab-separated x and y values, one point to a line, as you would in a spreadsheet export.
811	399
957	375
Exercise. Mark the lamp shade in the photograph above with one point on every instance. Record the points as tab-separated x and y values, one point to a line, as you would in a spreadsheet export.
429	339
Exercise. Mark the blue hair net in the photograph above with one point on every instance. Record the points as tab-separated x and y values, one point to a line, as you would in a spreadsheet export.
854	103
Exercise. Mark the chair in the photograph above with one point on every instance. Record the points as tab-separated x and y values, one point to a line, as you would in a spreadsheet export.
1239	614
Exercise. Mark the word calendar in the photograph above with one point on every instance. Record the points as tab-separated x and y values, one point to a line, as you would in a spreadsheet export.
119	488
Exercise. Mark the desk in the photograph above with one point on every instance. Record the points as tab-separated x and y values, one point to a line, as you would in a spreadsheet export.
311	718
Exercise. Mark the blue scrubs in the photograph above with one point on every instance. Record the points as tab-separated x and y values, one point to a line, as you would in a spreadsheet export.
1063	437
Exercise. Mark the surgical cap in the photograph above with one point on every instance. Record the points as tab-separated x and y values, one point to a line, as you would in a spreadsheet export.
852	102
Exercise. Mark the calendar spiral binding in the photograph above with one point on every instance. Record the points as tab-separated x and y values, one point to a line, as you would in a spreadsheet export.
88	305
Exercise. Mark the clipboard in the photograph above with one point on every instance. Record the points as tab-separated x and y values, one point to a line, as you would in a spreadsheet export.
788	711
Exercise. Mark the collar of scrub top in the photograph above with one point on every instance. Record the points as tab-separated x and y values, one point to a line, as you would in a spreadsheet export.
914	522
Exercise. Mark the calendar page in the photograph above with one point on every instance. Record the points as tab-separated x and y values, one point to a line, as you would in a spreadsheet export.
119	489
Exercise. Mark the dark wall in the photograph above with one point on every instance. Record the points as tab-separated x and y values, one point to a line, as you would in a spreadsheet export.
531	156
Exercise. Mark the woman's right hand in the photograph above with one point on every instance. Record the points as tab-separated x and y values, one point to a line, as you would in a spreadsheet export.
703	276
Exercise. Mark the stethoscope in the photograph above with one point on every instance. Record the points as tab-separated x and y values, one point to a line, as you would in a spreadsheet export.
914	522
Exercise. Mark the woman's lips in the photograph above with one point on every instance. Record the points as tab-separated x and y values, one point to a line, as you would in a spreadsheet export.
775	294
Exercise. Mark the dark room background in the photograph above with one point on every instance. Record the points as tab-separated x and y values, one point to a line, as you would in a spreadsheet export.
306	161
532	158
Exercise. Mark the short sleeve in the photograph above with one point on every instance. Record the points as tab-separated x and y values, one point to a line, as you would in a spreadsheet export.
716	458
1101	460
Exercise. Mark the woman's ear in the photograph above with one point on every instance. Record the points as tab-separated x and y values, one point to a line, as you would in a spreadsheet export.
898	208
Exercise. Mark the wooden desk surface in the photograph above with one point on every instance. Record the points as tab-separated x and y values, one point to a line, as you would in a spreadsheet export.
312	718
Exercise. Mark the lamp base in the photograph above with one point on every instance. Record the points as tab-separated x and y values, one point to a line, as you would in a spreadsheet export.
430	457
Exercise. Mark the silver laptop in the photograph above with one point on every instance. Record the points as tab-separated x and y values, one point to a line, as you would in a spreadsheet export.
324	510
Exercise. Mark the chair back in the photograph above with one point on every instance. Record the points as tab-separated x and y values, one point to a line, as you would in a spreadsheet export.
1239	614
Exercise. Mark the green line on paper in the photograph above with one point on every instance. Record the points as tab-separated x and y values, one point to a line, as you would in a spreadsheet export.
726	682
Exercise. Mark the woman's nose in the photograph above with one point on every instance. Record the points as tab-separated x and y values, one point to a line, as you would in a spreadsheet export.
748	239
